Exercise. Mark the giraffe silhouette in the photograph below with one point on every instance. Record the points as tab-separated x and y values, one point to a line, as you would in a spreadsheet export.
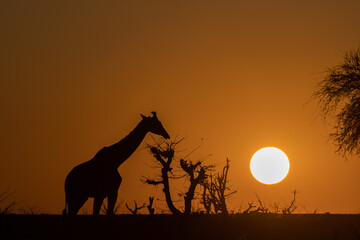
99	177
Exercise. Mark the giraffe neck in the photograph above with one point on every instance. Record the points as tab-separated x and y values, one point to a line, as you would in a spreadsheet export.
122	150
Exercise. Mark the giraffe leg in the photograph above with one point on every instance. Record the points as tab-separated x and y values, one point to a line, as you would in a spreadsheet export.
75	204
113	193
111	202
97	205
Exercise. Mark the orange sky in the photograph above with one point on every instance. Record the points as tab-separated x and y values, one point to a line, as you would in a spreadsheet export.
75	76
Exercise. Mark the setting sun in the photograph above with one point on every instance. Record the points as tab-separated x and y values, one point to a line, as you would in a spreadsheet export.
269	165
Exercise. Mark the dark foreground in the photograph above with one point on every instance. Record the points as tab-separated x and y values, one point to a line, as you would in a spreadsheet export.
237	227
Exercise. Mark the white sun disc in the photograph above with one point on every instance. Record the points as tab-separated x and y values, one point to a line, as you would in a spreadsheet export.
269	165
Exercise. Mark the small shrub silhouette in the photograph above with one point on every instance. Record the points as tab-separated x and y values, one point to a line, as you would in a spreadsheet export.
136	208
5	207
262	208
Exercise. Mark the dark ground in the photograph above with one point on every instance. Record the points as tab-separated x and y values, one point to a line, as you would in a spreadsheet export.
237	227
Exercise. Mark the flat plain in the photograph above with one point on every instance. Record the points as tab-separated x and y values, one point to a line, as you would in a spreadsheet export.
237	226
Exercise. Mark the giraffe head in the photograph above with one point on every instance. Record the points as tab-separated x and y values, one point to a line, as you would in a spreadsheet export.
154	125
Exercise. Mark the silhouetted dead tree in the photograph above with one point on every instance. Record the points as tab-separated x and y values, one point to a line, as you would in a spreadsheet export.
135	211
339	96
164	154
150	206
192	169
206	200
216	192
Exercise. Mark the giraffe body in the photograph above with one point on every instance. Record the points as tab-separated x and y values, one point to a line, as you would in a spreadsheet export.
99	178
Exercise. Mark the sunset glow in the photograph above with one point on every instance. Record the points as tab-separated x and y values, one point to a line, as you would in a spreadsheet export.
230	77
